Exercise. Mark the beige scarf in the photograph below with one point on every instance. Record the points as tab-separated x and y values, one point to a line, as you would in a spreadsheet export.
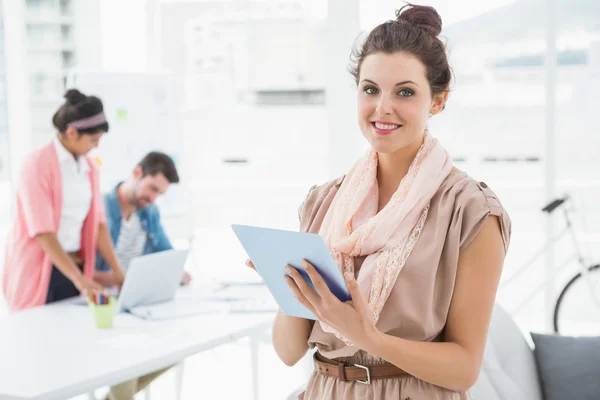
352	226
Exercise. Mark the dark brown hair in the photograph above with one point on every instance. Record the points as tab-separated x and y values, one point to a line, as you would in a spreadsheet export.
415	30
159	163
78	106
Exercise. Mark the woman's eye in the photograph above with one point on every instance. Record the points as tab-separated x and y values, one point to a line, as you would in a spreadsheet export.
370	90
406	92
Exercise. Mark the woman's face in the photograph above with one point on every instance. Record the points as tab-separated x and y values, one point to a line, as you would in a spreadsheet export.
81	143
395	101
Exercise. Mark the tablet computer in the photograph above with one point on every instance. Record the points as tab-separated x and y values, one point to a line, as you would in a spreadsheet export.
271	250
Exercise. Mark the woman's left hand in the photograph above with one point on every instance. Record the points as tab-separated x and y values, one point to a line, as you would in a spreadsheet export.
353	319
118	276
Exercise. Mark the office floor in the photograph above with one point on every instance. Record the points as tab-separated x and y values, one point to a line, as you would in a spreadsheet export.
225	373
209	375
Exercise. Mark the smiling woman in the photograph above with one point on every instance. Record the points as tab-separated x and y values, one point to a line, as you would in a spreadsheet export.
421	244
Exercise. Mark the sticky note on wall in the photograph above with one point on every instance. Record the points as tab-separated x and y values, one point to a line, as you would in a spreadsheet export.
122	114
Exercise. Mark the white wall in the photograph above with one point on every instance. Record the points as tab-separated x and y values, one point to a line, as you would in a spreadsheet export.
87	32
123	35
17	84
345	142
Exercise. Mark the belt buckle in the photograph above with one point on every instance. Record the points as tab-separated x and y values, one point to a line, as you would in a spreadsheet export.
368	380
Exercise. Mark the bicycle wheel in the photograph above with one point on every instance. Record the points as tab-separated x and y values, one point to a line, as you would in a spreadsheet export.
575	313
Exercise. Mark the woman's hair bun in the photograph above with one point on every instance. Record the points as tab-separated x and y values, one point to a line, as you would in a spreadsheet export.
74	96
423	17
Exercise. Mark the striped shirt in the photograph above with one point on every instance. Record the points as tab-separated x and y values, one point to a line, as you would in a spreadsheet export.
131	241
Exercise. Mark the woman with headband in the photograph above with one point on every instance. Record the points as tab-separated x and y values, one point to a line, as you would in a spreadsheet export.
60	223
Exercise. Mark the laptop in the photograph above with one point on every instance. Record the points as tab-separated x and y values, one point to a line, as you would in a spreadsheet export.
151	279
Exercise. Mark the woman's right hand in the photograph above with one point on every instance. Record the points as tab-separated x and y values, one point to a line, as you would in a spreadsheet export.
87	286
250	264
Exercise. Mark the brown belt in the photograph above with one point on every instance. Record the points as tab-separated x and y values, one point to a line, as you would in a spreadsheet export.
355	372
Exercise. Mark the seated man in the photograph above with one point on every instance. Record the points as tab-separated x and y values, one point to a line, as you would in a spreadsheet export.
132	217
134	224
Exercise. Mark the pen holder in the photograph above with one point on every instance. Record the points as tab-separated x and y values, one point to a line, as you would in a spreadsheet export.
103	313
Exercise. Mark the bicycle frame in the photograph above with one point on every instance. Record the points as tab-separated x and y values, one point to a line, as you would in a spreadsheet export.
582	262
578	254
532	259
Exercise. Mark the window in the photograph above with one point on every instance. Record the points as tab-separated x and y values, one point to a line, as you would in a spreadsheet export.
38	85
68	60
65	7
40	4
66	32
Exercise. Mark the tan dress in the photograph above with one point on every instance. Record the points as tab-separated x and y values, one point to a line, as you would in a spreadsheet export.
418	306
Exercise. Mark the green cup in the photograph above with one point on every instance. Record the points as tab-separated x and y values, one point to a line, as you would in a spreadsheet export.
104	314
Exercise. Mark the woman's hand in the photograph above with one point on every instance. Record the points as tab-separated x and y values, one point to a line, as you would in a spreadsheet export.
109	278
353	319
118	276
87	286
186	279
250	264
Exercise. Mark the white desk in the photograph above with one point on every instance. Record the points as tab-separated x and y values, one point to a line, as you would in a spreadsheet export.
55	352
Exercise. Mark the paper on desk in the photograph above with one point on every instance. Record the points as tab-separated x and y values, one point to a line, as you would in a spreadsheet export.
175	309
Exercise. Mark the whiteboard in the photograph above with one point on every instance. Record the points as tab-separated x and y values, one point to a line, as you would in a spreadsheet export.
143	114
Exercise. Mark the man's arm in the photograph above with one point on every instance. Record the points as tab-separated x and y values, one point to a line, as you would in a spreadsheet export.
163	242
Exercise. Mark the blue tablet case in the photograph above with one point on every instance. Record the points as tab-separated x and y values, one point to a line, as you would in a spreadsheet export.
272	249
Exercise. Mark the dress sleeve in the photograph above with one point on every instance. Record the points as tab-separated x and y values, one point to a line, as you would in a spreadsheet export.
477	203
